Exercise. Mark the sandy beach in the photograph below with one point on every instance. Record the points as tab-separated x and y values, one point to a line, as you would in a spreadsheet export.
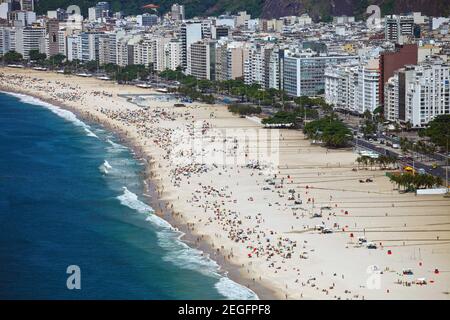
286	218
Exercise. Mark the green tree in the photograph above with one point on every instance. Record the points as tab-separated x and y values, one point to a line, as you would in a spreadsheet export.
35	55
244	109
12	57
330	130
438	131
57	59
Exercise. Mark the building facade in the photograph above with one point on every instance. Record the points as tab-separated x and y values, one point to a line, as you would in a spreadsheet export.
417	94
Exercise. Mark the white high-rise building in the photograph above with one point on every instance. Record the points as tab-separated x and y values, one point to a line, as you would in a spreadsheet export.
254	66
92	14
177	12
107	48
73	48
417	94
173	55
7	40
5	7
203	59
122	51
191	32
353	86
391	99
229	60
367	93
396	28
30	38
22	18
151	51
276	68
338	81
89	45
62	42
304	71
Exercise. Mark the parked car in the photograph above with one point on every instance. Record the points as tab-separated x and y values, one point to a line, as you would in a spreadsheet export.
371	245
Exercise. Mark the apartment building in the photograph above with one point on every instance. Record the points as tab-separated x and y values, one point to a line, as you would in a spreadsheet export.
304	71
191	32
418	93
203	59
398	28
173	54
30	38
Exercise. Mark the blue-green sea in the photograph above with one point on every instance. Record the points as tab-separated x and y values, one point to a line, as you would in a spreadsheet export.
70	194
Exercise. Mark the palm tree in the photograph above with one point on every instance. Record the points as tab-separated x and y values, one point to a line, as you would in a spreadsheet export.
438	181
395	178
408	126
393	160
359	160
371	162
382	161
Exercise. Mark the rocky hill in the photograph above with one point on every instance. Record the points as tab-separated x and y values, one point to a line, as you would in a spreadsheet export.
318	9
326	8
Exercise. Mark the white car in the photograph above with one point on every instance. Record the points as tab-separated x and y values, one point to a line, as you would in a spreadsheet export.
371	245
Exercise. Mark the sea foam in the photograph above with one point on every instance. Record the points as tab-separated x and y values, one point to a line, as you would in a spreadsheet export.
182	255
105	167
131	200
233	290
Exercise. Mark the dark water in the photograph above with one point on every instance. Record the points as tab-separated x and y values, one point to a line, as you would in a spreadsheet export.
61	204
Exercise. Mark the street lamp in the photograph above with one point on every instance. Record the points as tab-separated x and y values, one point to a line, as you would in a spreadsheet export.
446	169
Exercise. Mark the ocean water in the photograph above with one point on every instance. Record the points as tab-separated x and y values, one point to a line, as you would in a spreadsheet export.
70	194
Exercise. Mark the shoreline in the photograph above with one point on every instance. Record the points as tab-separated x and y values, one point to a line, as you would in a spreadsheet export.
244	218
151	197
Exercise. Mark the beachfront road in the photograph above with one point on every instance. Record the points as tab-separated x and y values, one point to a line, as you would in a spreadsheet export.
439	172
